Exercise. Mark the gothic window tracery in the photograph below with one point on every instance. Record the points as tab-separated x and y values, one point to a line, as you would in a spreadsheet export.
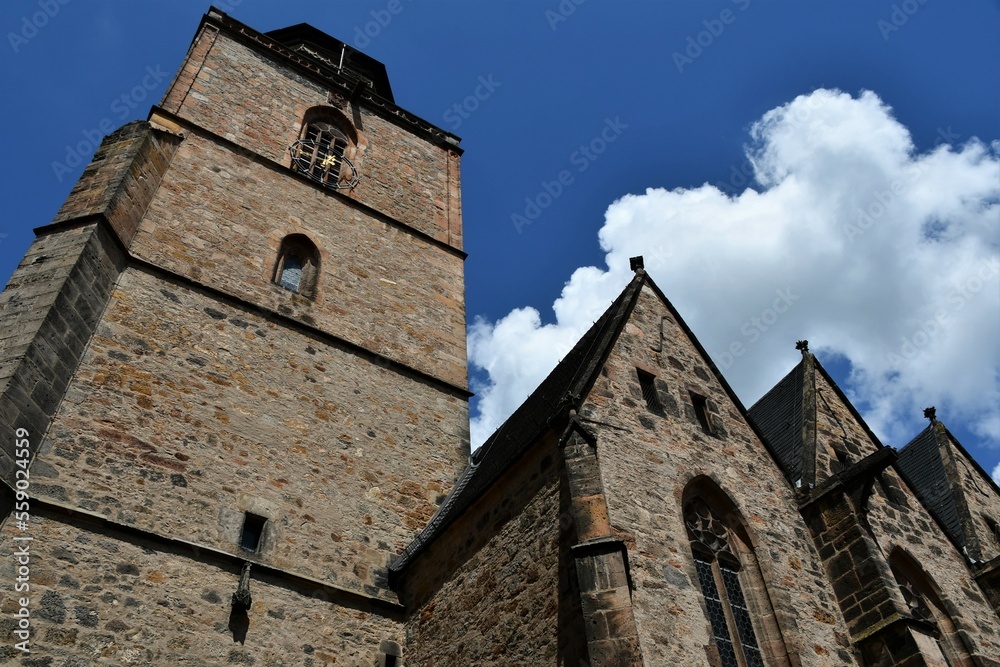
717	563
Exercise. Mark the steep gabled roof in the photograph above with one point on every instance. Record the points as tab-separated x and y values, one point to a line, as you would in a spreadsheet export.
778	415
923	469
561	391
922	464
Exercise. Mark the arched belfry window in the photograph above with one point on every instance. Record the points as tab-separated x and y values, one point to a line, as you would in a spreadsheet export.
719	567
324	151
297	268
922	597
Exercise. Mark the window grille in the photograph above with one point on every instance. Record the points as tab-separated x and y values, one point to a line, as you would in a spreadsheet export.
648	386
321	155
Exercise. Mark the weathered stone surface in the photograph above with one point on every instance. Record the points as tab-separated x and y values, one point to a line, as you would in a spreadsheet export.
403	175
645	473
344	458
380	286
498	587
900	524
170	387
50	307
198	427
160	617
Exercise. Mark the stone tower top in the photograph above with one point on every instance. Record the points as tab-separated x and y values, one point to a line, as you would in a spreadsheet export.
331	53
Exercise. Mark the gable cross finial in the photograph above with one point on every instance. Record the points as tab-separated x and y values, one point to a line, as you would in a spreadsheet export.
802	346
930	413
636	263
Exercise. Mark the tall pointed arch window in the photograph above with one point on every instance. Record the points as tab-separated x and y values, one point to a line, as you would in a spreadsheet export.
718	570
297	267
922	596
324	151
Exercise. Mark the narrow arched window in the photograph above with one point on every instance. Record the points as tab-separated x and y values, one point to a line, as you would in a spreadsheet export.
297	267
324	150
719	567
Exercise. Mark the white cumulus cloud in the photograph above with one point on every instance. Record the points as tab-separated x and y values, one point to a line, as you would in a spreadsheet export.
881	255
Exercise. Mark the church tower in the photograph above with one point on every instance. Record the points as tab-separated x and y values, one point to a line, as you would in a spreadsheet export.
233	367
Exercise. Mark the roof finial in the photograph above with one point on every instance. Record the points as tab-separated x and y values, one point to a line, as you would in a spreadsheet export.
802	346
930	413
636	263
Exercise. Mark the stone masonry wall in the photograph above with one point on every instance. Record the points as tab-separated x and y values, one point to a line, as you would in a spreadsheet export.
53	301
647	460
103	598
188	411
982	502
49	308
498	588
901	521
121	179
219	218
238	93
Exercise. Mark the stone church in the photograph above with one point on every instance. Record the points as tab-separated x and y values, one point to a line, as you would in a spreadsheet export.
234	430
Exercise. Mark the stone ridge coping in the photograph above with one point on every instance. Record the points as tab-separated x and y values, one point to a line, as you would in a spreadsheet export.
169	123
206	554
144	265
259	41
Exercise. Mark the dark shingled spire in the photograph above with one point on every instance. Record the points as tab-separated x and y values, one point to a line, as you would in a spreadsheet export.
778	416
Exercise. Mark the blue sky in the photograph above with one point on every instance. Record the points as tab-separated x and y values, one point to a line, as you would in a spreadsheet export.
591	129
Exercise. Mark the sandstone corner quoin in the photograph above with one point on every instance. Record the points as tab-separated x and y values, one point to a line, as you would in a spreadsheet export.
233	384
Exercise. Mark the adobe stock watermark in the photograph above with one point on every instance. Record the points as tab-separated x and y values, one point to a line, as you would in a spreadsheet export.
227	5
581	158
696	44
122	107
898	17
32	23
985	273
562	12
882	200
798	115
461	111
381	18
757	326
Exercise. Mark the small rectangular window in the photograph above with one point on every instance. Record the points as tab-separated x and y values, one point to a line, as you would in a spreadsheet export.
253	531
701	412
647	383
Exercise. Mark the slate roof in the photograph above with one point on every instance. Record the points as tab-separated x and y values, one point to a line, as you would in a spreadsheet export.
561	391
921	465
778	416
